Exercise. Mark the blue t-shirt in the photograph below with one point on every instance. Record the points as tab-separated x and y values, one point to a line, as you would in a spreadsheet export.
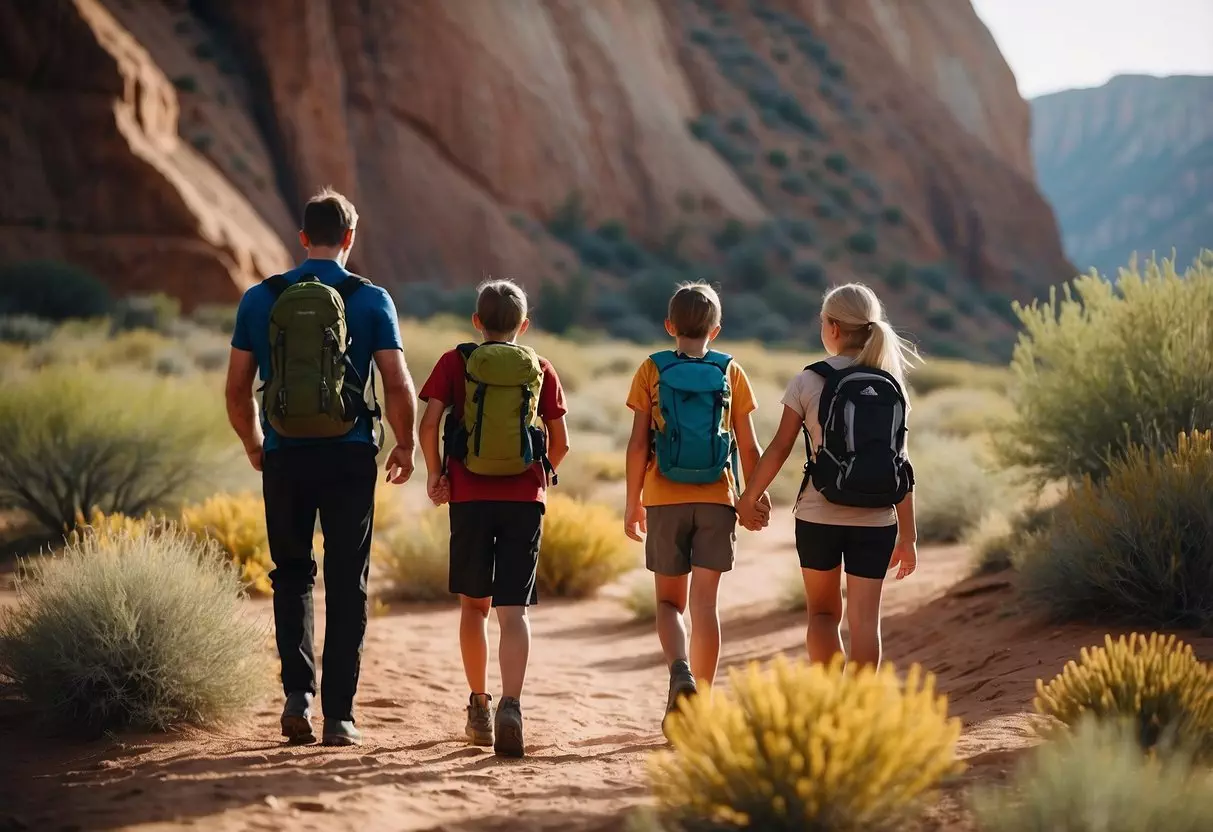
373	326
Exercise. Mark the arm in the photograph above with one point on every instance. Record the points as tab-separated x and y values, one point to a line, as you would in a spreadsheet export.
776	454
400	409
242	405
558	441
635	523
431	450
905	555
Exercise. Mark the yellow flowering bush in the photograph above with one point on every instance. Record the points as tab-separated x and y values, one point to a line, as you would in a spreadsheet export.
414	558
806	747
237	523
1155	684
583	548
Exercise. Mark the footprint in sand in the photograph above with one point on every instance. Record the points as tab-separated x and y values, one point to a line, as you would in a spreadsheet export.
382	703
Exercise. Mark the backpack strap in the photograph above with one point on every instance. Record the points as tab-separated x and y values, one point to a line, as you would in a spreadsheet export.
822	368
664	359
277	284
466	350
350	285
720	359
450	429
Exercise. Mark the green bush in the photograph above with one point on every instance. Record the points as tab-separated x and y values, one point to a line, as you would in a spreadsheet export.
1136	547
133	628
952	489
942	320
1099	781
892	215
1102	366
898	275
809	274
778	159
862	242
793	183
77	439
837	162
24	329
215	317
52	290
157	312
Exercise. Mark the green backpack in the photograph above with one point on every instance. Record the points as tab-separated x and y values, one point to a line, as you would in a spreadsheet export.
499	434
313	391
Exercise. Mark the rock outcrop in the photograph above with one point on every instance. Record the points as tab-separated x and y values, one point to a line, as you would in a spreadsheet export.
1129	168
460	129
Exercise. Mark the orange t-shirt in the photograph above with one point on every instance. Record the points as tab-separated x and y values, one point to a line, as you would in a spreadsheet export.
659	491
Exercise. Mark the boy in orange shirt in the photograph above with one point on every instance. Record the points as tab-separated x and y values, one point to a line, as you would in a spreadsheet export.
692	419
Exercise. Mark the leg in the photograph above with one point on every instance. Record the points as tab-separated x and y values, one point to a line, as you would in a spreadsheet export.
671	604
514	650
867	552
474	641
519	529
667	554
347	509
290	517
712	547
820	549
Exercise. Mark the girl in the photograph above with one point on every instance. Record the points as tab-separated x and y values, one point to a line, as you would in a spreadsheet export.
870	540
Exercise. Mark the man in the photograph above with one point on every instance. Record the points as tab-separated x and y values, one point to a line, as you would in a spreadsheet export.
315	445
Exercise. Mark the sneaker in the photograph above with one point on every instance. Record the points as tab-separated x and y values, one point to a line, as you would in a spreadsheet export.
297	718
682	684
508	725
480	720
341	732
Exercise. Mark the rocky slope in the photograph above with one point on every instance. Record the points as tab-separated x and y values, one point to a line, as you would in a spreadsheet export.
1129	167
772	145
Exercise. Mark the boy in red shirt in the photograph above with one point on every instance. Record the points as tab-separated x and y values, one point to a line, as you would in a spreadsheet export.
496	516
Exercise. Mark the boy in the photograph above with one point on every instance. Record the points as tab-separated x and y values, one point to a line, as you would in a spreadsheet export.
492	469
681	494
318	456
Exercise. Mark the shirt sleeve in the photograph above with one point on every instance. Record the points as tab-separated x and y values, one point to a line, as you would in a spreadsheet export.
744	402
386	332
551	395
440	386
640	396
793	397
242	338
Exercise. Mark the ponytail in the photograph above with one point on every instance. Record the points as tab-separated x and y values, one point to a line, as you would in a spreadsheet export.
859	313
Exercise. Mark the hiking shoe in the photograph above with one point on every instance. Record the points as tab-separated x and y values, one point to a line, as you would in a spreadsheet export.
297	718
508	725
341	732
480	720
682	684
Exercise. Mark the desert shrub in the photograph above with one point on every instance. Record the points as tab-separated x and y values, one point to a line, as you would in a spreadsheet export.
76	440
24	329
939	374
862	242
133	628
952	489
414	558
892	215
641	600
236	522
809	274
1154	686
793	183
999	541
1104	366
800	746
583	548
962	411
837	162
1137	547
155	312
942	320
778	159
934	278
1098	781
52	290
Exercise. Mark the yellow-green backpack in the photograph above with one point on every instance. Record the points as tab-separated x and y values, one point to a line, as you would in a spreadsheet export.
500	434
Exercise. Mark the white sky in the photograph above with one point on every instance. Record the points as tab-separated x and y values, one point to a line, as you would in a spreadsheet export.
1053	45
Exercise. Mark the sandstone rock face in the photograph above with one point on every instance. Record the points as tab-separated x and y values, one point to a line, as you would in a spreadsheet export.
461	128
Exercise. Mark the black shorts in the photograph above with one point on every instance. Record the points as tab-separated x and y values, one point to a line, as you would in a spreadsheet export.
867	550
495	551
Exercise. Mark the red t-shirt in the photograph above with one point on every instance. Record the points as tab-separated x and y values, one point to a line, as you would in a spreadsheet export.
446	385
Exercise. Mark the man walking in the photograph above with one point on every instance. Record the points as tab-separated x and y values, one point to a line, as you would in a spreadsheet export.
316	335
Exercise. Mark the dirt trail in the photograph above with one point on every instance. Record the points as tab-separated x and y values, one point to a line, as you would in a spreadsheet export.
593	704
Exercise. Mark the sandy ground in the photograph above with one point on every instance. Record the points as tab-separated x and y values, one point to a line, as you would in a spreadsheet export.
594	699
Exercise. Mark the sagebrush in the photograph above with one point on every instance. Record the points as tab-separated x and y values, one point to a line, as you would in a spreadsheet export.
1105	366
414	558
953	489
1152	685
806	747
1098	780
236	522
139	627
583	548
1135	548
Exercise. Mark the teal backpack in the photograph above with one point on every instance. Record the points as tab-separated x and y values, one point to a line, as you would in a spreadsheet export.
694	443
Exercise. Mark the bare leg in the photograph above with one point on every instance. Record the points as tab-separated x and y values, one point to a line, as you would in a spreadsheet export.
705	624
823	597
671	604
515	649
474	641
863	619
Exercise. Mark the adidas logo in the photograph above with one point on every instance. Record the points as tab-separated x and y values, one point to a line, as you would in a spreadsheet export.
868	391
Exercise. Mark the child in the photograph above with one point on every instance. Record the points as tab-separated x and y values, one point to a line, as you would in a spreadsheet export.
691	419
493	467
861	512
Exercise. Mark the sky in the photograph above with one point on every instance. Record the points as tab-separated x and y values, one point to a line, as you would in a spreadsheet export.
1054	45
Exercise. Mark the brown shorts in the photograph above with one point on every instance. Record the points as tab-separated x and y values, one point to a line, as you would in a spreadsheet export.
690	534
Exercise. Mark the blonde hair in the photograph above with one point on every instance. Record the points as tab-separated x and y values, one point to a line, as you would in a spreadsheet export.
694	310
859	314
501	306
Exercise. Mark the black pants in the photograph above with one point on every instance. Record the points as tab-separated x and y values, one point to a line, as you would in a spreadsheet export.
336	481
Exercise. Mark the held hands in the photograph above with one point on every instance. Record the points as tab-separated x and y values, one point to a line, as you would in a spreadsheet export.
754	513
438	487
636	522
905	557
399	465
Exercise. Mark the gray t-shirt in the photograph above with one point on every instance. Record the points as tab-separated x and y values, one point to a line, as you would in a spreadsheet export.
803	396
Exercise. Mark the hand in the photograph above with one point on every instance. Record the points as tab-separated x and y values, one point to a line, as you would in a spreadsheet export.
764	509
754	513
255	451
905	556
636	522
399	465
438	487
